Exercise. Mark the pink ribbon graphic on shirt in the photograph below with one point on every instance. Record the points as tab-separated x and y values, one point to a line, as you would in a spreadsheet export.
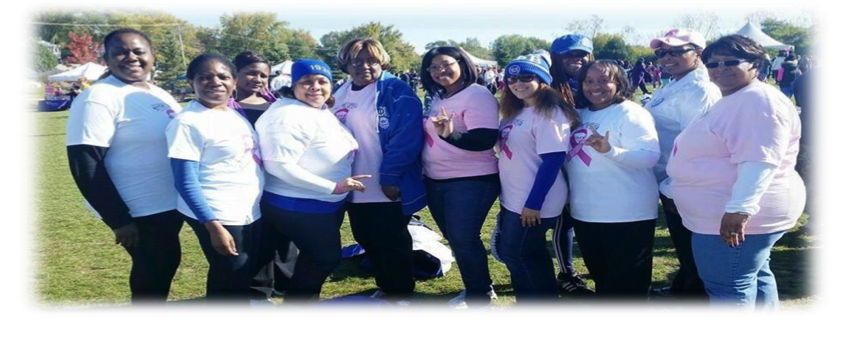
427	138
503	138
577	141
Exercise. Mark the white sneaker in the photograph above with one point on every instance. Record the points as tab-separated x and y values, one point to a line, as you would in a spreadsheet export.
458	302
378	294
262	305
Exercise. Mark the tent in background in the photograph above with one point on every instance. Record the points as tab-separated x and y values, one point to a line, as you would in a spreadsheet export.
285	67
752	31
480	62
90	71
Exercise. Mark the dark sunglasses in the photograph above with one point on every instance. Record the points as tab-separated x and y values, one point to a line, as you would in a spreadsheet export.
660	53
522	78
727	63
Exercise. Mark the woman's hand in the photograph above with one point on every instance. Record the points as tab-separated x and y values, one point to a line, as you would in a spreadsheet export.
351	184
221	240
127	235
443	123
530	217
732	227
597	141
392	192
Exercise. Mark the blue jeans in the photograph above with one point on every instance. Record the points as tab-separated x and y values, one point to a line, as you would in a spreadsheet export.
738	276
459	207
524	251
228	276
787	91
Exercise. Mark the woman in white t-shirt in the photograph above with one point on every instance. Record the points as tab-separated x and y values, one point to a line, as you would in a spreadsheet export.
118	157
614	195
674	107
734	181
308	155
217	170
534	131
460	166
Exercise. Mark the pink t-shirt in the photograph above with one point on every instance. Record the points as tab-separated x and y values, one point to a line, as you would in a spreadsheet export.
754	124
521	141
473	107
357	111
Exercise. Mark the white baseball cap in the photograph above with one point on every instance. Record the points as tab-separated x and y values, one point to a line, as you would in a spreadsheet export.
678	37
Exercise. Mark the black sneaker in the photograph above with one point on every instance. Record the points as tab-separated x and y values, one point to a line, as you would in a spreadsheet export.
664	293
572	284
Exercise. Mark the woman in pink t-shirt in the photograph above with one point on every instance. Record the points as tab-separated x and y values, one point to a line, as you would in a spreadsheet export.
460	166
734	181
534	135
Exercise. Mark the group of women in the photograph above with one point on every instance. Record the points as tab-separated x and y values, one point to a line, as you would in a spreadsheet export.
574	153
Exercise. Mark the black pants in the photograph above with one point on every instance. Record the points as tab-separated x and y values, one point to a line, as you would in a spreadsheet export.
317	237
381	228
563	243
228	276
686	282
273	261
156	257
619	256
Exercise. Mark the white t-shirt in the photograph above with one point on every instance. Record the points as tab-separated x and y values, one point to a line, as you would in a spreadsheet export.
130	121
521	141
357	110
615	187
675	106
226	148
293	132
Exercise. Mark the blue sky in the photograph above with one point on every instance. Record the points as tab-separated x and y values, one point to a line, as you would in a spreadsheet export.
423	24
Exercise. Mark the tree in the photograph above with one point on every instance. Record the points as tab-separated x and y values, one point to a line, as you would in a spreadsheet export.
786	32
611	46
470	45
302	45
44	58
260	32
707	23
402	53
590	27
759	16
82	49
507	47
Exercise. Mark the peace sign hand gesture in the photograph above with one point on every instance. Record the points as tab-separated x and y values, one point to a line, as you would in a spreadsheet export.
597	141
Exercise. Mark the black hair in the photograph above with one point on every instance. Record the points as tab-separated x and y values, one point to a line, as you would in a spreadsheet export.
108	40
468	70
248	57
618	75
560	78
738	46
204	58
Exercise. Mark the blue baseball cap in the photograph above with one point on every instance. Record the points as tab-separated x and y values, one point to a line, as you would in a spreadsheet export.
567	43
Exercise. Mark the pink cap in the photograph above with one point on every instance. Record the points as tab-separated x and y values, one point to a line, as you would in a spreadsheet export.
677	37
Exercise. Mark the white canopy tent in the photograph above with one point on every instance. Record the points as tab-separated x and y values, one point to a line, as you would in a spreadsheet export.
480	62
753	32
285	67
90	71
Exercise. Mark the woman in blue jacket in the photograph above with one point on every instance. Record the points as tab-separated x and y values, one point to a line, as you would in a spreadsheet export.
385	116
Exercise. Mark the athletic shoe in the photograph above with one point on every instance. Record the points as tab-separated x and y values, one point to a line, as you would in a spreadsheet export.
572	284
458	302
382	295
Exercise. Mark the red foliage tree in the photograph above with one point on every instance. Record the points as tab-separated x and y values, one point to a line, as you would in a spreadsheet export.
82	49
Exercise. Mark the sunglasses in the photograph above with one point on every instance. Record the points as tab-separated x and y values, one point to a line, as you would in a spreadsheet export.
574	54
727	63
522	78
660	53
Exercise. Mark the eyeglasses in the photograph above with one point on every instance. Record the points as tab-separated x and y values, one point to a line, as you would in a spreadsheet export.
370	63
522	78
439	68
727	63
660	53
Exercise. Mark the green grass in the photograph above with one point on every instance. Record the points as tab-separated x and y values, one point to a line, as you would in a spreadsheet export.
79	265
